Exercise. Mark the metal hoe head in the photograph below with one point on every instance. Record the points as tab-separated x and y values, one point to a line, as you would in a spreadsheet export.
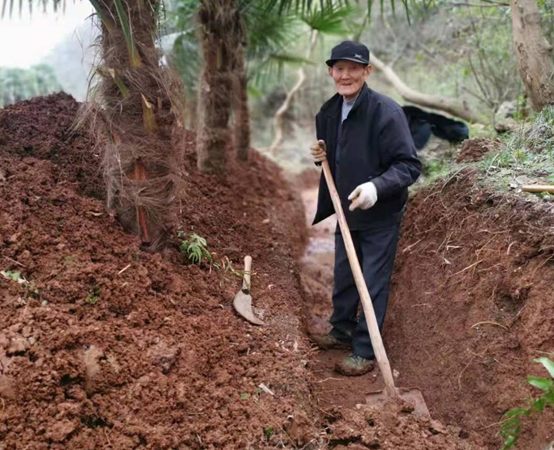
243	299
412	396
243	305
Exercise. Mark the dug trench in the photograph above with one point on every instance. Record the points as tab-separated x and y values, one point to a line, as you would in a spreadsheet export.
471	307
103	345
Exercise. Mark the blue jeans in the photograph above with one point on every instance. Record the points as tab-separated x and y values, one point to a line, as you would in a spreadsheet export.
376	249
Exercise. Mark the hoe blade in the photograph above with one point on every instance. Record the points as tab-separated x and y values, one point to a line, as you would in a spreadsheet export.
412	396
243	306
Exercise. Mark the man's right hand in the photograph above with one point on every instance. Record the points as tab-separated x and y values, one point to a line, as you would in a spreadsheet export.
319	151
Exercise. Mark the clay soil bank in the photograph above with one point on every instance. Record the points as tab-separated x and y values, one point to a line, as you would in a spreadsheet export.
471	306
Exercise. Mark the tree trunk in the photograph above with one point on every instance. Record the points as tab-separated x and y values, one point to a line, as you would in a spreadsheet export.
240	107
218	20
534	53
140	106
448	105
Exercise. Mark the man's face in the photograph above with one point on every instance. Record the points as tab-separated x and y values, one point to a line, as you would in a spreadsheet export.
349	77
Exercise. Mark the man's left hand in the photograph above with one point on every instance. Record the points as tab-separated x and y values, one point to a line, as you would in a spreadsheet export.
363	197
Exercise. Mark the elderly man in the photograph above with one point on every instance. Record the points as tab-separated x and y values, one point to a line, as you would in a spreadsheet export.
367	141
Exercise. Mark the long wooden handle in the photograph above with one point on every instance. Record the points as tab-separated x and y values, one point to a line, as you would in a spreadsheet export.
367	304
537	188
247	273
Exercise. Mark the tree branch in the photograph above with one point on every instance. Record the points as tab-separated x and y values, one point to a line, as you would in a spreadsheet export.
448	105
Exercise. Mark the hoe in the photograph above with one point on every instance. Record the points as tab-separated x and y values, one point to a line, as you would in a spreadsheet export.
378	398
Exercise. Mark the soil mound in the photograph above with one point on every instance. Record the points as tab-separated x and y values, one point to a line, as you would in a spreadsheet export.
475	149
472	306
106	346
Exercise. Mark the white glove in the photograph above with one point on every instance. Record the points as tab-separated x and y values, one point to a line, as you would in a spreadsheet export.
319	151
364	196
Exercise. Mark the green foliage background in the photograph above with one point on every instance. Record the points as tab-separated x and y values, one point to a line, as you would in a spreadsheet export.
22	84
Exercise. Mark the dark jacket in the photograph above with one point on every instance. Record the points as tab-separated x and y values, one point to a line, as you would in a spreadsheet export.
375	145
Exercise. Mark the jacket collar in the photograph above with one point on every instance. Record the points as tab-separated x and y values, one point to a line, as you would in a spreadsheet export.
333	106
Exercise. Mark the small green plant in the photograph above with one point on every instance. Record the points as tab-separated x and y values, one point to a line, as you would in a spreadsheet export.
32	289
226	269
14	276
510	428
195	248
94	295
268	432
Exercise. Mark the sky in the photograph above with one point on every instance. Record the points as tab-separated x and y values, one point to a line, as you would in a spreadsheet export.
25	40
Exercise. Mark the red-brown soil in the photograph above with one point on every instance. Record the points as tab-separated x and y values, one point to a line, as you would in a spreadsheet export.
151	357
475	149
472	304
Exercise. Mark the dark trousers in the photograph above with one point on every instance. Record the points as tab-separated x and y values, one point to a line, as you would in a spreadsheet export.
376	249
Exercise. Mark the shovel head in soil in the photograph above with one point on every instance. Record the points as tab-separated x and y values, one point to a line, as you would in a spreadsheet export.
243	300
413	396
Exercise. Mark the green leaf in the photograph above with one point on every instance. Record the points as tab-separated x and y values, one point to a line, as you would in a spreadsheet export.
548	365
510	442
107	21
539	404
328	20
14	276
126	26
541	383
244	396
268	432
516	412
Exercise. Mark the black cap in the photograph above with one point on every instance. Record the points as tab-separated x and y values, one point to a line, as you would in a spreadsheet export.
351	51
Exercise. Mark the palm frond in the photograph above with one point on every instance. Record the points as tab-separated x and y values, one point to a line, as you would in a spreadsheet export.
127	32
55	5
107	21
408	5
328	19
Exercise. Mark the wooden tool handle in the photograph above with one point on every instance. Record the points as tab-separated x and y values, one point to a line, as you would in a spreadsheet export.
538	188
367	304
247	270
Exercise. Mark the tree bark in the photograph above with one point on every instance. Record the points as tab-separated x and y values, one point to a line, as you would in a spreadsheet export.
449	105
140	106
534	53
240	107
218	20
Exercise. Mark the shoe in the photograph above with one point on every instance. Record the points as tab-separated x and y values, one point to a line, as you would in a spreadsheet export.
354	365
328	341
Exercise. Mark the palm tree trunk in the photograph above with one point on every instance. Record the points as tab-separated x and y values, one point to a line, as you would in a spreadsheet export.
218	20
534	53
240	107
140	106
